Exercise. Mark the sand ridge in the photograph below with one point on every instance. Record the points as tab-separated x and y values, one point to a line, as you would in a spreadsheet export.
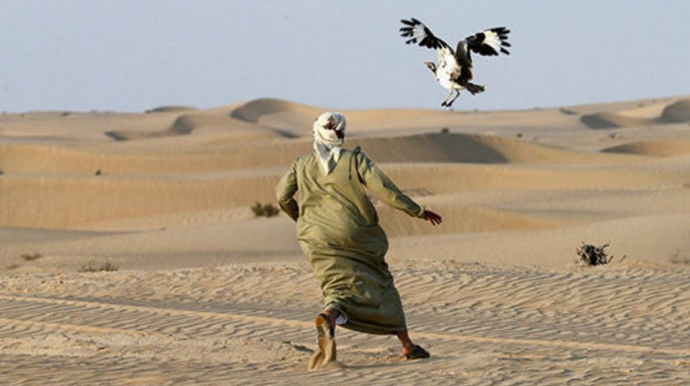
677	112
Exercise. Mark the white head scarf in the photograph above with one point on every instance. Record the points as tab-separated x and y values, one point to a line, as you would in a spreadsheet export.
326	142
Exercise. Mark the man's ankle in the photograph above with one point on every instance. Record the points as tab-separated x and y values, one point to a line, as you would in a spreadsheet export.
332	315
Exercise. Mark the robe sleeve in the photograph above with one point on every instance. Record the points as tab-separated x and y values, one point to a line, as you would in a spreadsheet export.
286	189
384	189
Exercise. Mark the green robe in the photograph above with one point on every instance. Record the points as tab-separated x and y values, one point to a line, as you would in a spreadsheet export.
338	230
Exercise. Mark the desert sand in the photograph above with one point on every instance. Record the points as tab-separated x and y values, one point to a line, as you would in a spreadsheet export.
203	292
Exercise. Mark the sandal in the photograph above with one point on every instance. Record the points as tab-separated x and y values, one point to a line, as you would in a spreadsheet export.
417	353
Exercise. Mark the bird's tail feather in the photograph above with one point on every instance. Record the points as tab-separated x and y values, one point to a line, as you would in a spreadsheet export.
473	88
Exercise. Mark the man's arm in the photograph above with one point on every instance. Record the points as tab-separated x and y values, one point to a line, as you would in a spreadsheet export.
285	190
385	190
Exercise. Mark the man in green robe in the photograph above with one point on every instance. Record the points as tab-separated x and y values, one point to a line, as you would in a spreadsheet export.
338	230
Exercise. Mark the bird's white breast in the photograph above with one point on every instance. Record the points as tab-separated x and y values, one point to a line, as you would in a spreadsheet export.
447	61
448	69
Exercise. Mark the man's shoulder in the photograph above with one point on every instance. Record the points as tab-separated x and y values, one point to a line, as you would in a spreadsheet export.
303	161
311	156
304	157
356	152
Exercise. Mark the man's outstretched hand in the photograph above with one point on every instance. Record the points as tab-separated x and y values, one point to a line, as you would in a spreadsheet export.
432	217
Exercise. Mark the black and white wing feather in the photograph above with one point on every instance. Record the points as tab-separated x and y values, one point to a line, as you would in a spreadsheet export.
489	42
417	33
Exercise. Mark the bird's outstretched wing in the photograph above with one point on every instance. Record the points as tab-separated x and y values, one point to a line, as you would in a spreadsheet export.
418	33
489	42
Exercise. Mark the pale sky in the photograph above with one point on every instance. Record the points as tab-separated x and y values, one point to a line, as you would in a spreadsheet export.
133	55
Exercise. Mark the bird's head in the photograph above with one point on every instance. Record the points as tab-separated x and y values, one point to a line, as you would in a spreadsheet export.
431	66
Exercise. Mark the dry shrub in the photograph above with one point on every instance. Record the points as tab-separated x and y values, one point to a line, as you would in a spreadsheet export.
591	255
93	266
31	256
267	210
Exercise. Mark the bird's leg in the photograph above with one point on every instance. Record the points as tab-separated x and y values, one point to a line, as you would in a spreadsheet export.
457	95
445	100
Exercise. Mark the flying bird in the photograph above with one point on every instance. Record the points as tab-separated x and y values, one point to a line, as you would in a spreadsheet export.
454	68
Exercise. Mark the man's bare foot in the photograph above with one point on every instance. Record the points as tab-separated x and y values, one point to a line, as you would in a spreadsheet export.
326	352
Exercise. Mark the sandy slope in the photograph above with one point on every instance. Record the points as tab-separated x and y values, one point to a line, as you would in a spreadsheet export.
207	294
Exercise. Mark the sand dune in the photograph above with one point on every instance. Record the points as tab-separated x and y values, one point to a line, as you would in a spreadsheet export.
653	148
677	112
277	114
473	148
205	293
113	197
218	153
613	120
189	123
